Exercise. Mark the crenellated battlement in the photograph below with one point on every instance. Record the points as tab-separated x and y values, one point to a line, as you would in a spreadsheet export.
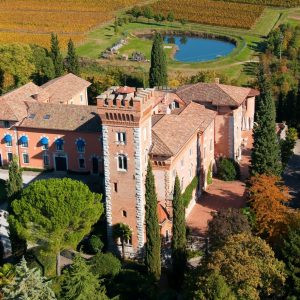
125	104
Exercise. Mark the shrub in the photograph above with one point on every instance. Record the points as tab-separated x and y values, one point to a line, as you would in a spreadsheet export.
228	169
105	265
209	175
95	244
187	194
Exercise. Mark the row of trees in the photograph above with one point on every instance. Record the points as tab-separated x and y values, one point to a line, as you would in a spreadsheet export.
21	63
148	13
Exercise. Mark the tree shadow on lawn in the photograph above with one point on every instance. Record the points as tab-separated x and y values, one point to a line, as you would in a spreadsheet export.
250	68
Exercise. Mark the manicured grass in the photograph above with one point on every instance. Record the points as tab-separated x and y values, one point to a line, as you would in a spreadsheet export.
234	66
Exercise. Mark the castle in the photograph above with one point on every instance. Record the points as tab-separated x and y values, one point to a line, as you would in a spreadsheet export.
181	131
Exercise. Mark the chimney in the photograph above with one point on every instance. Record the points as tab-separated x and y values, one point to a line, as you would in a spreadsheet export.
217	80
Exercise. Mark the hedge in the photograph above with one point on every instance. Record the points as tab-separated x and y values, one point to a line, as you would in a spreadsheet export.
188	193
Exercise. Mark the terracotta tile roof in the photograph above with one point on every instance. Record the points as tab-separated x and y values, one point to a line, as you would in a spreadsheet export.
64	88
13	106
214	93
162	214
62	117
173	131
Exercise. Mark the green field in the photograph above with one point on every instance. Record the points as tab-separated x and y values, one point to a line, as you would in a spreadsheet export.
237	66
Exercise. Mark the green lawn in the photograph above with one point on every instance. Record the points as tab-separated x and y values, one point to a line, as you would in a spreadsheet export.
234	65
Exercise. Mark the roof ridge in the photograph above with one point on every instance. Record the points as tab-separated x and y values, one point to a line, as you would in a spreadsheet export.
219	86
167	148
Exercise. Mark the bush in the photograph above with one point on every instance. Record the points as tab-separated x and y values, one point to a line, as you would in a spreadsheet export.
228	169
105	265
187	195
95	244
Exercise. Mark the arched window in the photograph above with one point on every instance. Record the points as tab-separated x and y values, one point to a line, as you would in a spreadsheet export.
80	146
24	141
122	162
107	116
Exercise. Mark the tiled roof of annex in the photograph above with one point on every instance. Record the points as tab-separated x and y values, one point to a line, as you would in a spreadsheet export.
215	94
14	104
66	117
173	131
64	88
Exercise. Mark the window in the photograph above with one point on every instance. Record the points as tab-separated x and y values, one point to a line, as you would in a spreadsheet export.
25	158
182	163
46	147
211	145
59	144
128	241
24	141
191	152
174	173
6	124
174	105
9	156
122	163
81	163
81	98
80	146
145	134
121	137
31	116
191	172
46	160
204	152
9	143
182	182
124	213
115	187
46	117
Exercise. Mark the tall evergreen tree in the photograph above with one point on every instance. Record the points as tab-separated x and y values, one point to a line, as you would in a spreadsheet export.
14	184
56	56
72	62
179	235
266	149
158	75
152	259
290	254
28	284
81	284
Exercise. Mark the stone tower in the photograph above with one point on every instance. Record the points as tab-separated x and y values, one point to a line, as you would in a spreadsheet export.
126	128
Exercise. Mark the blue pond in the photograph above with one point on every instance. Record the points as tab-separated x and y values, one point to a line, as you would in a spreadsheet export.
197	49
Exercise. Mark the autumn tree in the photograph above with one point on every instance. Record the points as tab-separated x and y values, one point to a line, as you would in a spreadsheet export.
226	222
268	197
55	214
265	158
249	267
16	65
153	242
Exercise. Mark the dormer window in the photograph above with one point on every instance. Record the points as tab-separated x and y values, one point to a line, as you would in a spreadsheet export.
46	117
31	116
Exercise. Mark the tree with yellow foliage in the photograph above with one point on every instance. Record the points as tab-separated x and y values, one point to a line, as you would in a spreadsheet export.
268	197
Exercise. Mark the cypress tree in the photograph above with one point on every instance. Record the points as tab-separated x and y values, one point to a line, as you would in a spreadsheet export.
158	75
14	184
56	55
152	258
72	62
266	158
179	235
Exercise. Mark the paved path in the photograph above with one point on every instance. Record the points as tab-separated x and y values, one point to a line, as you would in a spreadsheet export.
292	175
221	194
